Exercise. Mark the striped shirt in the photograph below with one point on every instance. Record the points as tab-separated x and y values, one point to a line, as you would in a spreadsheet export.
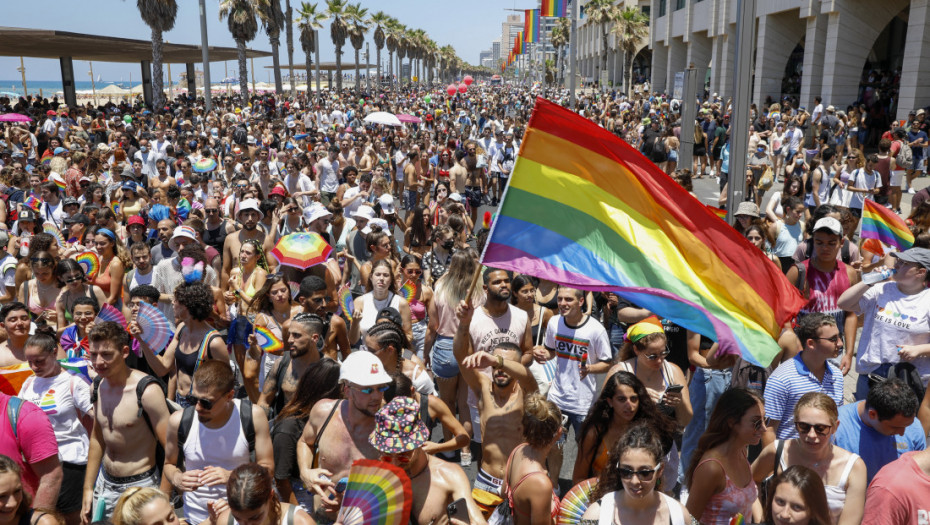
788	383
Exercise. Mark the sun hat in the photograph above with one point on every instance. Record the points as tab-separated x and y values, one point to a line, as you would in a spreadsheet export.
136	219
315	212
376	222
364	212
747	208
363	369
179	232
129	185
250	204
278	190
398	427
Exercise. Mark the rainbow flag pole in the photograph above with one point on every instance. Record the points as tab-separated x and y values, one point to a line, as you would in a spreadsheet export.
585	209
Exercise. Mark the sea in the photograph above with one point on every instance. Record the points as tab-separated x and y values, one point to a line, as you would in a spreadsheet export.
50	87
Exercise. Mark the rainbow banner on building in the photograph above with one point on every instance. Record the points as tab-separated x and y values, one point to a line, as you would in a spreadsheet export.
585	209
878	222
531	26
557	8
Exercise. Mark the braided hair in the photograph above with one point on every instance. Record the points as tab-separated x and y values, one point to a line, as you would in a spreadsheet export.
387	333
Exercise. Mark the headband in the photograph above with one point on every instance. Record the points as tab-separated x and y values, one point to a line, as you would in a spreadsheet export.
107	232
650	325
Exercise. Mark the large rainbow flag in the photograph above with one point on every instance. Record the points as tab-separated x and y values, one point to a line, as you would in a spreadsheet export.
531	25
585	209
13	377
551	8
878	222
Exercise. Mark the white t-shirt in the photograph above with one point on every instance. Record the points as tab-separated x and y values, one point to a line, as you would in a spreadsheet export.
864	180
890	319
568	390
53	214
818	112
63	398
400	160
304	183
329	175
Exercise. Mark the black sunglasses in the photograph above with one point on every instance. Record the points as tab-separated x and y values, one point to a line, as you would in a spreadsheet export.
205	403
805	428
42	261
74	279
644	474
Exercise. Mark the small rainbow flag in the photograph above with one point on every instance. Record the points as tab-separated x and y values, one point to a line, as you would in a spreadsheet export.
346	303
531	25
556	8
13	377
585	209
59	182
267	341
878	222
33	203
77	366
409	290
737	519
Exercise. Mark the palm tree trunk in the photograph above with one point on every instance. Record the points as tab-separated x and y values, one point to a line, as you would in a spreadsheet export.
309	66
243	71
378	57
628	73
289	14
276	61
158	80
358	77
606	53
338	68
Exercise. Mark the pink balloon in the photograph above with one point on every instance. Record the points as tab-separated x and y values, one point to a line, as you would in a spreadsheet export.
451	89
468	80
463	88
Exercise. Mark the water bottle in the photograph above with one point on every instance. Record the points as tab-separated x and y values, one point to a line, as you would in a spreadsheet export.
878	275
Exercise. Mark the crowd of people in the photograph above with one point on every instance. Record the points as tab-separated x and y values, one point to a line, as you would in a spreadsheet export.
400	347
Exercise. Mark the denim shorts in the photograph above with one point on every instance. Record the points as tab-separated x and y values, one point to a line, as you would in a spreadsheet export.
108	489
239	331
442	361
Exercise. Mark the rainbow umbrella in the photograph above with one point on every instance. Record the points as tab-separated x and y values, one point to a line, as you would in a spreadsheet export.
301	250
205	165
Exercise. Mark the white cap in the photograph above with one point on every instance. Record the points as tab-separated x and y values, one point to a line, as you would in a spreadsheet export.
363	369
385	227
179	232
457	197
250	204
364	212
829	223
387	203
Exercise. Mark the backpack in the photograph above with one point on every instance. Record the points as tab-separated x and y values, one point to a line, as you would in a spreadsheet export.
12	413
907	373
240	135
905	158
245	419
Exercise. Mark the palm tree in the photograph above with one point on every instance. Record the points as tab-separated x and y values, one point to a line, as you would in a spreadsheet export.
338	31
560	38
603	13
432	54
380	21
159	15
394	29
272	18
240	17
309	22
446	58
632	28
357	17
419	39
402	47
289	20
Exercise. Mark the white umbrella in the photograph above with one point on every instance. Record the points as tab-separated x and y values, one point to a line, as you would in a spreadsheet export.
382	117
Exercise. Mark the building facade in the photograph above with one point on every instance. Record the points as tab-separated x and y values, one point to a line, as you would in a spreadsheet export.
591	47
845	51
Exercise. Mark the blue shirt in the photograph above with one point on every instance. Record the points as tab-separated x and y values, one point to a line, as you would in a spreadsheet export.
790	381
875	448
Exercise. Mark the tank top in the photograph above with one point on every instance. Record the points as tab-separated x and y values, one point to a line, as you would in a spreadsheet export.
226	447
836	494
733	500
417	310
371	309
216	237
825	289
103	279
609	505
789	235
139	279
188	363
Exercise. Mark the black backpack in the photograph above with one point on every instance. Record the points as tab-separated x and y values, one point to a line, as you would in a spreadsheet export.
245	419
905	372
240	135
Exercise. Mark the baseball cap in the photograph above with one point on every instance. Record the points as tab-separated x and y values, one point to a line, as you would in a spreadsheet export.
181	232
59	150
830	224
363	369
391	314
27	215
77	218
457	197
919	256
387	204
136	219
376	222
278	190
398	427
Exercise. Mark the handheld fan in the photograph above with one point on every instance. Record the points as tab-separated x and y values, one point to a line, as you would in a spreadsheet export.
90	263
346	302
409	290
377	493
155	327
267	341
109	313
576	502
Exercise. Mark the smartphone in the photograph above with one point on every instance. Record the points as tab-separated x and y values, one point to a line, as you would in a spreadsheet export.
675	388
458	510
341	485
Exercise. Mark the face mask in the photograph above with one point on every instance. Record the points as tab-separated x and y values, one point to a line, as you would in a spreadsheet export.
143	149
799	162
448	244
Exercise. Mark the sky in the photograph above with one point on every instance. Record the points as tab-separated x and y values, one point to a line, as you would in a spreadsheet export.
468	25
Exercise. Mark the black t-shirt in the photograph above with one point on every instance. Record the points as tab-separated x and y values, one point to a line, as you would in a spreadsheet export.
284	442
676	336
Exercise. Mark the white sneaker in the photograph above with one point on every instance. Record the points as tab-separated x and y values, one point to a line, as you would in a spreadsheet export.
911	190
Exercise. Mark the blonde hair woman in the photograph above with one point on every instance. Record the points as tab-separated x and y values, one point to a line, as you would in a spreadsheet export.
143	506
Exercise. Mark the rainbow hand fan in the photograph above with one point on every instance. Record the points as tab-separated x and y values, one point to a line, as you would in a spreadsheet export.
267	341
576	502
737	519
409	290
50	229
346	302
109	313
155	327
90	263
377	493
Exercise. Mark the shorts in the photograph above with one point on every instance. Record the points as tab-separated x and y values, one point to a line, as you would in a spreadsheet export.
410	199
716	151
488	483
108	489
441	359
419	337
473	195
897	177
239	331
673	156
72	487
570	420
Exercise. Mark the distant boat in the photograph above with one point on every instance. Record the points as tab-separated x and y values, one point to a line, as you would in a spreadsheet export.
98	77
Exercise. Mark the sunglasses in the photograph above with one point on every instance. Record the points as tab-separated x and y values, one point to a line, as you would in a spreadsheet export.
413	271
644	474
74	279
211	211
403	457
368	390
205	403
805	428
42	261
653	357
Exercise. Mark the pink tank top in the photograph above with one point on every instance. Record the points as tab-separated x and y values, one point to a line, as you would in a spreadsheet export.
733	500
825	288
417	310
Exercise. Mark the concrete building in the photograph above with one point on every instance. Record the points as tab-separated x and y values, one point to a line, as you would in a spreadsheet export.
485	58
591	47
509	29
496	52
843	50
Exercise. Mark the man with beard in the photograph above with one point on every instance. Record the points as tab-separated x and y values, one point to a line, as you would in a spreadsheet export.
162	251
334	340
214	436
304	333
248	216
582	349
398	436
337	432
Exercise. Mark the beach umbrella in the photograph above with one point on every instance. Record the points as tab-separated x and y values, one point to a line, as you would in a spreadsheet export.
408	119
205	165
14	117
9	94
382	117
301	250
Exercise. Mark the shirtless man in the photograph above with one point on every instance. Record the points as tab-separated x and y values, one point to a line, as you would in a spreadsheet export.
15	319
337	432
124	442
500	399
303	334
163	179
398	436
316	298
248	216
475	183
412	180
458	174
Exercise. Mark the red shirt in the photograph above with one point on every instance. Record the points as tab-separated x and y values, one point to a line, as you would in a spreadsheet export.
73	182
35	440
